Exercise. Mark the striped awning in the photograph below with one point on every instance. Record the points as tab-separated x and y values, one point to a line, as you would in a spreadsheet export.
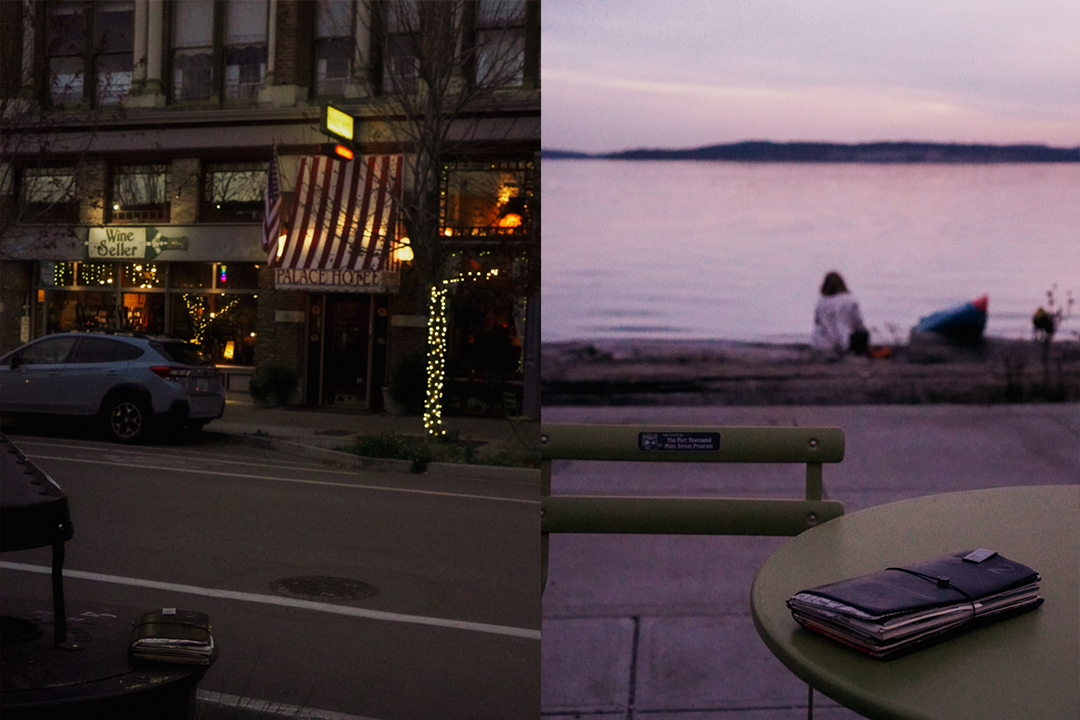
343	216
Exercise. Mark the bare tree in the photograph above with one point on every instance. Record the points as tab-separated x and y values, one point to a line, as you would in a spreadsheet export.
442	67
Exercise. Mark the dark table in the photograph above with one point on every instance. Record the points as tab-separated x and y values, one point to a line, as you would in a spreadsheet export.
40	680
1023	667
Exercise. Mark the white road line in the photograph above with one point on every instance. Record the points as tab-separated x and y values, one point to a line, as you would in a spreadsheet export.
289	480
286	602
267	707
186	455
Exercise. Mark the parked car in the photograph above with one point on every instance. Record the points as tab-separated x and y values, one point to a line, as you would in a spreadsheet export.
131	383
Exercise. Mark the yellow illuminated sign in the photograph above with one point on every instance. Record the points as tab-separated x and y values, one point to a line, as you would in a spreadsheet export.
336	122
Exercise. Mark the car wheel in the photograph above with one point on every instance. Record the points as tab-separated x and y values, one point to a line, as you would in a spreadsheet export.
127	419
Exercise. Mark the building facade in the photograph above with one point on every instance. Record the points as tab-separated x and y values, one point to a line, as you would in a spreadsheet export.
145	143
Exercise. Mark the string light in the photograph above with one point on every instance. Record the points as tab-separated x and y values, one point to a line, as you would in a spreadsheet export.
437	348
436	366
200	318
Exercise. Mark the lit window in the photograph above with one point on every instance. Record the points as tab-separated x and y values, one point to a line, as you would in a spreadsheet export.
482	200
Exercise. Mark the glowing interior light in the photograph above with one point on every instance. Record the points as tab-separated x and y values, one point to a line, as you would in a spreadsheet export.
230	348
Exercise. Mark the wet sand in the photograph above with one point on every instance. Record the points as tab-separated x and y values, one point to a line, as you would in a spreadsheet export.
703	372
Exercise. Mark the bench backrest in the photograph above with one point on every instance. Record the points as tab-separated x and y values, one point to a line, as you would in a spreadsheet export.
812	446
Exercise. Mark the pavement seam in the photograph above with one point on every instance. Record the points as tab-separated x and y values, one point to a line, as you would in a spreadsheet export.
631	694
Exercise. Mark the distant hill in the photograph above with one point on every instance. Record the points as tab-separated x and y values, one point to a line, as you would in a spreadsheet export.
878	152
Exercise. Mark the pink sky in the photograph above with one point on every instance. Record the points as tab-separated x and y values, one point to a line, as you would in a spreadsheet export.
621	74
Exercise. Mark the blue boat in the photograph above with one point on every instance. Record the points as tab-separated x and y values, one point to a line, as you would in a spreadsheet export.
964	323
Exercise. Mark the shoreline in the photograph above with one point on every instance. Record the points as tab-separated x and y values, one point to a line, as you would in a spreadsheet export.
928	369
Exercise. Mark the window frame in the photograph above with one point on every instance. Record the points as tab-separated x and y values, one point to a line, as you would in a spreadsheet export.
241	211
61	210
220	51
492	232
87	51
144	213
320	40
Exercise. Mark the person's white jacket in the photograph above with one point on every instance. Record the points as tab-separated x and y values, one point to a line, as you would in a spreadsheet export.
835	318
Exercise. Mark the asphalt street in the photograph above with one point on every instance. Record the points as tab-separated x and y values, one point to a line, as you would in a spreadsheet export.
271	547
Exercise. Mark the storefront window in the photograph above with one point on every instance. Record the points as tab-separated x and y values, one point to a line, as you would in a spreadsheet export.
143	312
192	275
223	326
236	276
94	274
75	310
184	300
144	275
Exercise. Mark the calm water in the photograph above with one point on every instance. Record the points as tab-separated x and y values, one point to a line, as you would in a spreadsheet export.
693	250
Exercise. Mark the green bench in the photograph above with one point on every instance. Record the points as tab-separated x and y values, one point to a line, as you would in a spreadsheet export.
812	446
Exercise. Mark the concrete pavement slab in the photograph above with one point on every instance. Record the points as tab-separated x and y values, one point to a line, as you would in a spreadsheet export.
687	594
593	674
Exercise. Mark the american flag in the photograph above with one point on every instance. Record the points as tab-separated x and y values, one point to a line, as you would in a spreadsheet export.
272	210
343	214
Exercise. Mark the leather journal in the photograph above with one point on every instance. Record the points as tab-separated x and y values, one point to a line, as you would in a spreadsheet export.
174	636
902	608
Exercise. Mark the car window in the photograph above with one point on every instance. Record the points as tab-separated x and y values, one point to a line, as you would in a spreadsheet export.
95	350
99	349
50	351
181	353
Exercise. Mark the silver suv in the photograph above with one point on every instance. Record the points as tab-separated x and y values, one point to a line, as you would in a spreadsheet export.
131	382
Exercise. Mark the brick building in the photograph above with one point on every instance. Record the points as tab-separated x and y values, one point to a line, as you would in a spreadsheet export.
138	137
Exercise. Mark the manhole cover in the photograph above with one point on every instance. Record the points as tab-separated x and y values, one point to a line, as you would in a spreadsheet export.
323	588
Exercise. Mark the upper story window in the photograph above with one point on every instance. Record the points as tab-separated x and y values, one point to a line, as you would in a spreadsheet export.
500	43
233	192
89	39
139	194
193	50
401	66
229	64
48	195
245	48
334	46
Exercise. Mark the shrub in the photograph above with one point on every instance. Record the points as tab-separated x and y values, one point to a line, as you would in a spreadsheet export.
408	382
272	381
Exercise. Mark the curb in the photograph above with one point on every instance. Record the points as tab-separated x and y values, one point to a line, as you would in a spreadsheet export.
358	462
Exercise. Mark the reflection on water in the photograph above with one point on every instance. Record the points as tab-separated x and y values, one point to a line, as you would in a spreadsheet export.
737	251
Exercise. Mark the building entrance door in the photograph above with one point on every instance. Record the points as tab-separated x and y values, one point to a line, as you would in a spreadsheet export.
346	346
346	357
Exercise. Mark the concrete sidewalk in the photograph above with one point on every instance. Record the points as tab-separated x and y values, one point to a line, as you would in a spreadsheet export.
321	432
659	627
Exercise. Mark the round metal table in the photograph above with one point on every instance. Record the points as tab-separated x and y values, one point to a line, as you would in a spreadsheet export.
39	680
1024	667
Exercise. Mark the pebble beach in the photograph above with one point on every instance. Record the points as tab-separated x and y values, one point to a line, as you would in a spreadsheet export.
927	369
